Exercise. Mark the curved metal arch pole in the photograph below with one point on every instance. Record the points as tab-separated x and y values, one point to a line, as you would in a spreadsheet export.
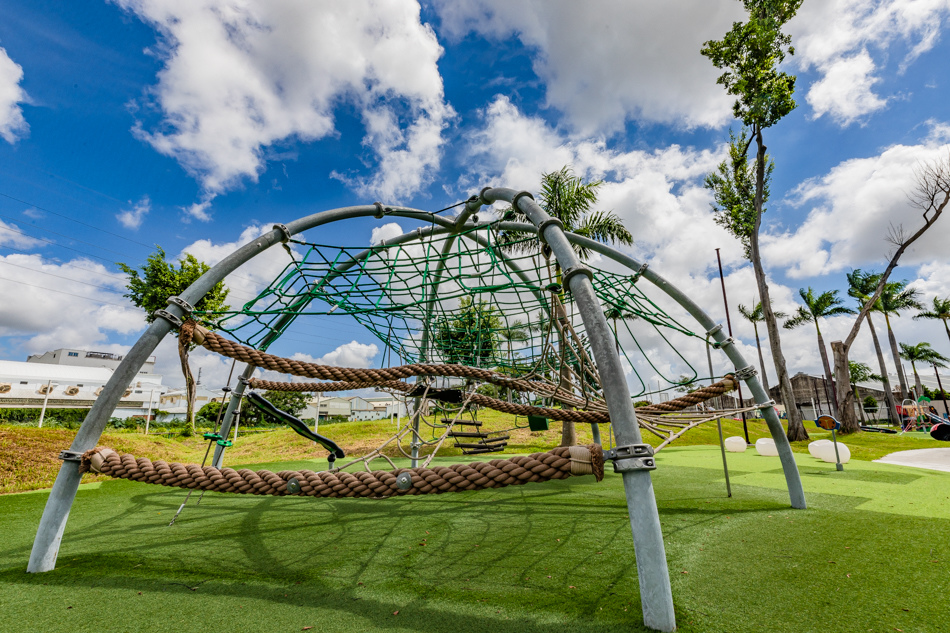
792	477
49	533
656	595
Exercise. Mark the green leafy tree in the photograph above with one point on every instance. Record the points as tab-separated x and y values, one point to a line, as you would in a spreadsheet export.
150	287
751	54
470	336
614	314
756	316
922	353
827	304
940	310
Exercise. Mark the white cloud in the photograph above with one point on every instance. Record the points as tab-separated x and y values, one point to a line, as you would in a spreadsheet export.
608	62
133	218
12	123
385	232
11	235
70	304
352	354
240	76
853	207
834	37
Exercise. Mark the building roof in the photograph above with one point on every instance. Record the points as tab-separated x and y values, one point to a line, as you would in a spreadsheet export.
10	369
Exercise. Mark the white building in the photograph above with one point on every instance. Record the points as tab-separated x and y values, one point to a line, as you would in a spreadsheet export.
65	386
83	358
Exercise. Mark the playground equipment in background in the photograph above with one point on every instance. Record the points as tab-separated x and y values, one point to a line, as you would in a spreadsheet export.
830	424
461	302
918	416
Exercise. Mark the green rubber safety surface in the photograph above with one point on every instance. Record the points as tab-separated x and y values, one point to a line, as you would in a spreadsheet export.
868	554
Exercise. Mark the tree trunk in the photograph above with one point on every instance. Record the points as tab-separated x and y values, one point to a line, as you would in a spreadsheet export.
888	392
847	418
829	379
857	399
897	357
920	387
758	346
796	430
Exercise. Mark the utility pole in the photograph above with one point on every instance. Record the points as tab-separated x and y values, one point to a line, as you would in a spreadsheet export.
148	415
725	302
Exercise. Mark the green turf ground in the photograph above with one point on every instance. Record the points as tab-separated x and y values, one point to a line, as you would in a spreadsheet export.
868	555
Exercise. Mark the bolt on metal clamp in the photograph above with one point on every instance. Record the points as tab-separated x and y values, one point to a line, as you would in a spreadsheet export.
746	372
186	307
631	457
168	316
725	343
636	276
70	456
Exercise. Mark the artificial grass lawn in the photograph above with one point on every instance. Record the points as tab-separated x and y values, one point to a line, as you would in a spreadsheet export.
868	555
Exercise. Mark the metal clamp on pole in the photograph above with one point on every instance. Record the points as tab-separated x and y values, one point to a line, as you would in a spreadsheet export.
631	457
765	405
545	225
70	456
576	270
168	316
636	276
746	372
728	341
715	330
186	307
285	232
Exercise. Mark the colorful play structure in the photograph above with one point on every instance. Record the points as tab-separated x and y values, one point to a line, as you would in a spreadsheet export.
459	303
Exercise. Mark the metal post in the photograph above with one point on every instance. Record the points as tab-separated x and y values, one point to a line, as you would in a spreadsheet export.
316	418
838	465
943	393
725	302
655	592
722	441
148	413
49	387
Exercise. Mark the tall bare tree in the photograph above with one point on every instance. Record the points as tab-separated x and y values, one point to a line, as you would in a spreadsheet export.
751	54
930	195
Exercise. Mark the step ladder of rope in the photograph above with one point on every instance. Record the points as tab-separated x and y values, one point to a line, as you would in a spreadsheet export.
559	463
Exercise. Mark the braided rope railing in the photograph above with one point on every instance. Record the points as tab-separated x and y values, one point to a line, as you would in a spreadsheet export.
559	463
216	343
727	384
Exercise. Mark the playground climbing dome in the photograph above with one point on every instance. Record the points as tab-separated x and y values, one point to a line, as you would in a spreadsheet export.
456	302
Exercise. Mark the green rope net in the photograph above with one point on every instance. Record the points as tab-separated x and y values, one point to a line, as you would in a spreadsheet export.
477	298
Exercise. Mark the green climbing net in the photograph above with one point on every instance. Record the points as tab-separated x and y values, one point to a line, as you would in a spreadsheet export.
477	297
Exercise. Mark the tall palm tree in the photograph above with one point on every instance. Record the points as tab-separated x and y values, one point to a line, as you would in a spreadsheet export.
569	199
615	314
517	332
825	305
861	286
941	310
922	353
896	298
756	316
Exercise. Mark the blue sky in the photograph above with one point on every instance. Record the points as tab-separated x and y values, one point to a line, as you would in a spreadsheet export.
195	125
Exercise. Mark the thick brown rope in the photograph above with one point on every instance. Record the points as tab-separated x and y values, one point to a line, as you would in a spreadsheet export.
558	463
476	398
727	384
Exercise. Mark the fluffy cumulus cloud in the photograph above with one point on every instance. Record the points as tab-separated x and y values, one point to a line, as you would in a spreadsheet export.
837	38
614	60
12	123
77	303
853	208
242	75
132	218
352	354
11	235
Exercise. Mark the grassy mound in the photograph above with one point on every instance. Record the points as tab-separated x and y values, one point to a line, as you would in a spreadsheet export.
868	555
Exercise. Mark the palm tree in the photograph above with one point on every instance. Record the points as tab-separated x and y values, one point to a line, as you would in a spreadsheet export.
941	310
825	305
569	199
895	298
517	332
614	314
922	352
861	286
859	372
756	316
